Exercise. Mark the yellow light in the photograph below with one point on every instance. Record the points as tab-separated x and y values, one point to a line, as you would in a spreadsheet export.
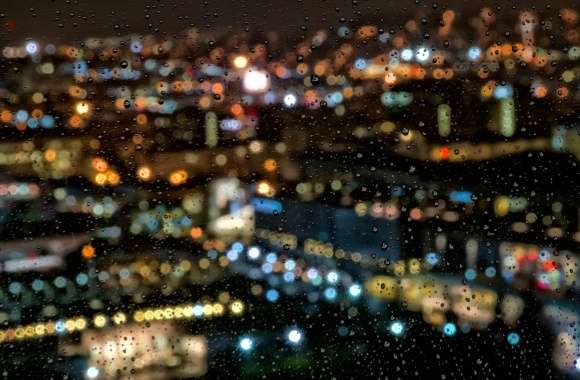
83	108
139	316
80	323
265	188
501	205
100	321
100	179
119	318
207	310
218	309
69	325
240	62
237	307
144	173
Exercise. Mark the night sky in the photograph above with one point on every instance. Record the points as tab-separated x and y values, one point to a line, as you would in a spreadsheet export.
74	20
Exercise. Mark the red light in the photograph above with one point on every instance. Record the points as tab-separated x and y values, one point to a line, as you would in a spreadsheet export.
444	153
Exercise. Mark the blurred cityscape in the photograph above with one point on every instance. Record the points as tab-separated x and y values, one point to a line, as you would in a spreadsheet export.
372	201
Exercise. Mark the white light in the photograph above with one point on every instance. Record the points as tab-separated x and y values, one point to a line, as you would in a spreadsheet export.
256	81
92	372
254	253
246	344
355	290
240	62
332	277
422	54
290	100
577	365
397	328
31	47
294	336
407	54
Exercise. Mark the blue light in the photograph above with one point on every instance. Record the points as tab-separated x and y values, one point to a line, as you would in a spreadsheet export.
290	265
470	274
461	196
360	64
238	247
513	338
272	295
449	329
337	97
407	54
271	257
21	116
80	67
330	294
267	268
231	125
82	279
246	344
490	272
474	53
503	92
270	97
32	123
289	277
31	47
136	46
266	206
397	328
47	121
232	255
432	258
59	327
355	290
343	31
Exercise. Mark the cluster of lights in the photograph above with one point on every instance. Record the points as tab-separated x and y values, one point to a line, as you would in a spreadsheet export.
189	311
99	321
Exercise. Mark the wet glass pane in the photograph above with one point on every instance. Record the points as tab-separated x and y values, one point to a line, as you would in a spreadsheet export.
289	189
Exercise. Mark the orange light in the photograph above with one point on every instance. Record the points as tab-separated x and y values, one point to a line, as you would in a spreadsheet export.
270	165
88	252
100	165
141	119
217	88
113	178
75	121
196	232
178	177
6	116
50	155
237	109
